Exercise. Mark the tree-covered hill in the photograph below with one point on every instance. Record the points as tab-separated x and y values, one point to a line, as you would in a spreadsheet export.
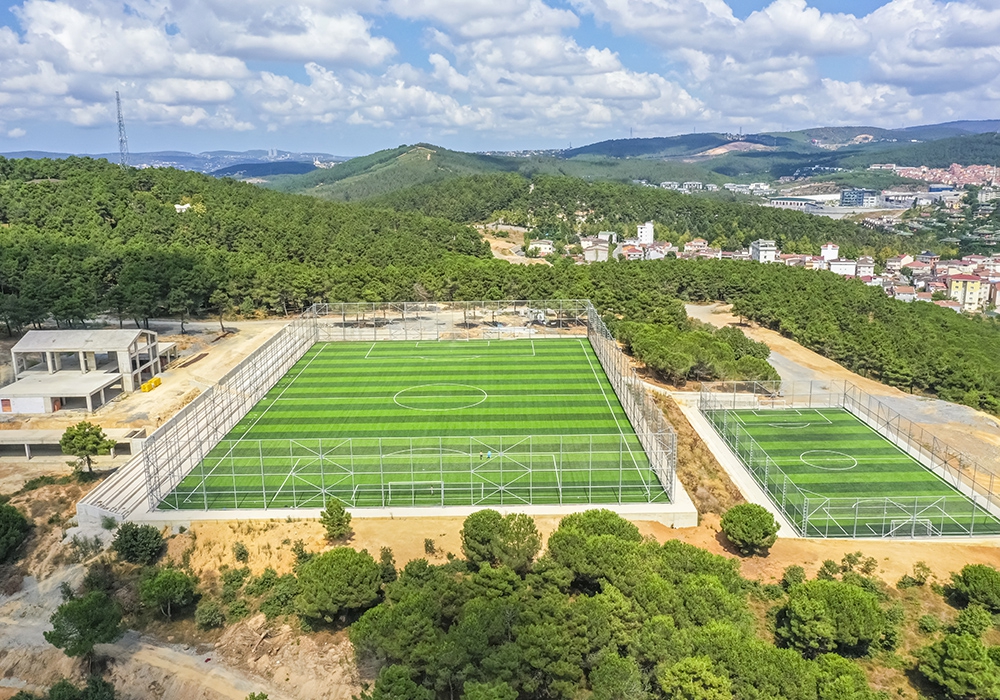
560	207
80	238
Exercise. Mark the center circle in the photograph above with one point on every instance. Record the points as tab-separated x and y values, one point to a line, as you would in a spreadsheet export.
440	397
828	460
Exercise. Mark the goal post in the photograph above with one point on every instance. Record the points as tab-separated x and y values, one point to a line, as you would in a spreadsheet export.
415	492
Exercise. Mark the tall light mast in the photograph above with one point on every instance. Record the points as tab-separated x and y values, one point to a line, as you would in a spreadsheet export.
122	137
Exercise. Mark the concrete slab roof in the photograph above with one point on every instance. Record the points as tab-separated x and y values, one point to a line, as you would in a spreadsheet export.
77	341
59	385
52	437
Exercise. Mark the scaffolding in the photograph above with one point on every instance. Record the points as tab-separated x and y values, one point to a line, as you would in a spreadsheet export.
579	469
972	511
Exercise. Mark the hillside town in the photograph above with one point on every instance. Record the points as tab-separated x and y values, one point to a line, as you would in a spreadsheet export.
971	284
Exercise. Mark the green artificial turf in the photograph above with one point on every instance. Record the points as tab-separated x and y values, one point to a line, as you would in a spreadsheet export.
873	487
430	423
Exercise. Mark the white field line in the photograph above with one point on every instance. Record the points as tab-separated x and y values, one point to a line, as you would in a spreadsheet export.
314	399
369	351
257	420
611	408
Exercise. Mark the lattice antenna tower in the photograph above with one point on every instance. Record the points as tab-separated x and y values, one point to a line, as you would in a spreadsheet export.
122	137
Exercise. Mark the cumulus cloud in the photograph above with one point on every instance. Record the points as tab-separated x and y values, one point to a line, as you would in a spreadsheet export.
517	68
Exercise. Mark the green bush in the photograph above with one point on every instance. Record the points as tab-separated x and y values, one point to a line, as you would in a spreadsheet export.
209	615
14	528
138	544
750	527
823	616
336	520
262	584
237	610
929	624
241	552
974	620
961	666
793	576
336	581
167	589
978	583
281	600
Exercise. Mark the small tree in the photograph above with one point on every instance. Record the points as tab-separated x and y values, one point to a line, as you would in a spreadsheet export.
209	614
167	589
14	529
339	580
387	562
241	553
750	527
961	666
978	583
694	678
336	520
85	441
509	540
974	620
81	623
138	544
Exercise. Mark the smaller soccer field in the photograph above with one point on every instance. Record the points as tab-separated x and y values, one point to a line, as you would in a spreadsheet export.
843	478
430	423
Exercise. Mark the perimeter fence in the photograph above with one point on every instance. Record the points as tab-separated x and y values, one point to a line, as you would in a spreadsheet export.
185	443
973	510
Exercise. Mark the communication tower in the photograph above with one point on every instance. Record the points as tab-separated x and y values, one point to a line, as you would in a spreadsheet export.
122	137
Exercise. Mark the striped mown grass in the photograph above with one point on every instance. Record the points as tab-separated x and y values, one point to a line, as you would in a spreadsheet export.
430	423
873	487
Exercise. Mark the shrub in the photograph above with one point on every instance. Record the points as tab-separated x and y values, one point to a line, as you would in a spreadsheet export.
828	571
302	555
138	544
108	523
825	616
167	589
14	529
232	582
209	615
429	546
281	601
961	666
336	520
500	540
241	552
793	576
387	562
928	624
978	583
262	584
750	527
974	620
339	580
237	610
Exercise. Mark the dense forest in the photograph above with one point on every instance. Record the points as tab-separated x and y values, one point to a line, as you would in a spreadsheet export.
560	207
79	238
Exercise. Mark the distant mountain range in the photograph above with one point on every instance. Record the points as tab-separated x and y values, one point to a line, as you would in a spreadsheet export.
228	162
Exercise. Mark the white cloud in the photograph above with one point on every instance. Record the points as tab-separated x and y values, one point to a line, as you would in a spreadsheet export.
16	133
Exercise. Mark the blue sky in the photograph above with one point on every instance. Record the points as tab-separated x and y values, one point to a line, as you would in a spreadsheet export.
352	76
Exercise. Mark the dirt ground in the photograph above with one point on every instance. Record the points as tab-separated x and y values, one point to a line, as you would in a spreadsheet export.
502	248
973	432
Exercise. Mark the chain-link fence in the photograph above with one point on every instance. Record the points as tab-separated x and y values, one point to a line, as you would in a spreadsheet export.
600	469
972	510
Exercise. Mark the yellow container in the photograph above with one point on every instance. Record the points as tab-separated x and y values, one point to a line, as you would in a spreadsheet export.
146	387
155	381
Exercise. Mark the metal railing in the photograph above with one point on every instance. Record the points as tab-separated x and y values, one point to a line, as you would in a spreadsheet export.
972	510
184	444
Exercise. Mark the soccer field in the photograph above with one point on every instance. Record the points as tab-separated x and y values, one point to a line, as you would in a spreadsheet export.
430	423
827	469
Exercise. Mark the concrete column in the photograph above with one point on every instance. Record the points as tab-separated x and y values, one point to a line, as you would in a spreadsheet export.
90	403
83	362
92	361
48	363
103	400
27	451
57	361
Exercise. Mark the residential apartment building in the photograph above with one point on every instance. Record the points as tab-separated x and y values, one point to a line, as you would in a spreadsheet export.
763	251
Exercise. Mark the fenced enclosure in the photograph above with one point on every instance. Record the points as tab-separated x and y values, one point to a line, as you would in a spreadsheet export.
193	462
394	472
806	442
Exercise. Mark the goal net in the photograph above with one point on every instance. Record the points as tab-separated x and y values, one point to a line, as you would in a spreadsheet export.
416	492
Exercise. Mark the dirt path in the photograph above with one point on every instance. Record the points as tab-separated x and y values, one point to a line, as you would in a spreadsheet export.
973	432
503	248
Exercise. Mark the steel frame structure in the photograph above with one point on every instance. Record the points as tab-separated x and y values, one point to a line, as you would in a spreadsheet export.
182	444
974	510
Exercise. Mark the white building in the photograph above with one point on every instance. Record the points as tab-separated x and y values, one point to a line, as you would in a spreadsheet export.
607	236
845	267
763	251
80	369
829	251
866	266
644	233
596	253
543	247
